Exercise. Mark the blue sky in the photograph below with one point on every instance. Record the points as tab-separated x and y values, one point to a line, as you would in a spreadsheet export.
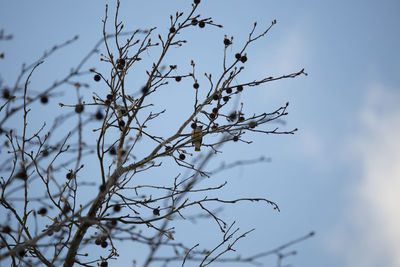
339	175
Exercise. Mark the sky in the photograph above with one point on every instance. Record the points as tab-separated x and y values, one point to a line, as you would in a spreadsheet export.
339	175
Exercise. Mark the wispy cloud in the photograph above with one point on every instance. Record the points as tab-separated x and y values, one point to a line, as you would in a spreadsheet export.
369	234
293	50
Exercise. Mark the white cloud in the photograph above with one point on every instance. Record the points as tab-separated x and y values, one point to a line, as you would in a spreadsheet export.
292	53
311	144
369	235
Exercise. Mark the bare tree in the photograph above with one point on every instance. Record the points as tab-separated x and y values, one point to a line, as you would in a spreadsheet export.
66	191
